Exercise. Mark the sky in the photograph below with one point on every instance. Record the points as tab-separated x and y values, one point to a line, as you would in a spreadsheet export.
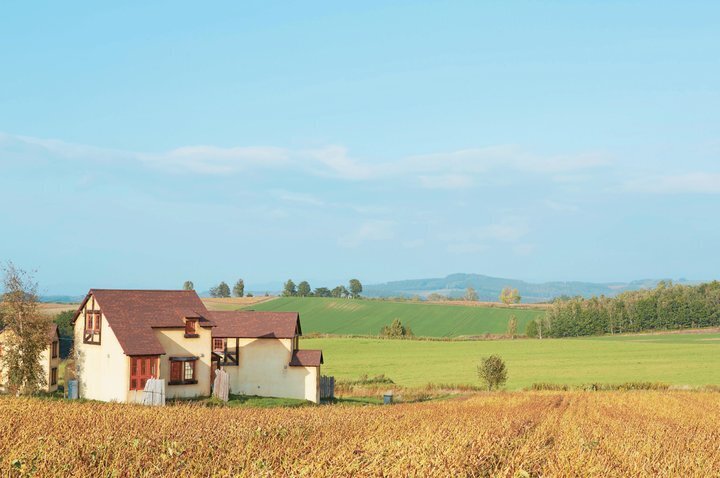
143	144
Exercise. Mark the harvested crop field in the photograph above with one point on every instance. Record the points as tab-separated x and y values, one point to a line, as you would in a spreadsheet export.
503	434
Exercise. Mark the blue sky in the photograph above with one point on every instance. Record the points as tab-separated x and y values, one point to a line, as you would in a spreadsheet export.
144	145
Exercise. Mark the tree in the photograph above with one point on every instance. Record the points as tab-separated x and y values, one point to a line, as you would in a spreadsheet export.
340	291
65	328
396	329
492	372
239	288
510	296
28	337
303	289
221	290
289	289
512	326
471	295
188	285
355	288
322	292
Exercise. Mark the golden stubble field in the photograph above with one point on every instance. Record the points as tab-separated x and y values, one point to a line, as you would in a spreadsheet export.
505	434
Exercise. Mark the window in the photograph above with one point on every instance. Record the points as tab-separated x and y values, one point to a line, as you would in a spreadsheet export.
55	349
142	369
191	328
182	370
189	371
219	345
93	321
53	376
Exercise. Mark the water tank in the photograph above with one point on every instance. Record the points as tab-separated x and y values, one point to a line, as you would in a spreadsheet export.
72	389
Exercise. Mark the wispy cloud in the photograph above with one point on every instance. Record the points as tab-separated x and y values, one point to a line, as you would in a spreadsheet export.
369	231
214	160
300	198
446	181
478	239
560	206
692	183
449	170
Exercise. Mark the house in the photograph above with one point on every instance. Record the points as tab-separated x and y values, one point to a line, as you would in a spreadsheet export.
260	352
49	359
125	337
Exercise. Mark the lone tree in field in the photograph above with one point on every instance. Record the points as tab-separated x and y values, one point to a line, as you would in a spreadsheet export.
188	285
492	372
510	296
304	289
470	295
221	290
239	288
289	290
355	288
512	327
28	337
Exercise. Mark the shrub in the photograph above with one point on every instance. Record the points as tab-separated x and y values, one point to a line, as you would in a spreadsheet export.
396	329
492	372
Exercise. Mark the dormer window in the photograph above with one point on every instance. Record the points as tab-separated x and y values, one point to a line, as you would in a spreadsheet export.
191	328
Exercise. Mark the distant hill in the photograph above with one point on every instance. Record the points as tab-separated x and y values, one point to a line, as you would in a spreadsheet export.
61	299
488	288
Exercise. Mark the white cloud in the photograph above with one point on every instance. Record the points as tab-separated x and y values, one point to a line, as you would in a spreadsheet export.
214	160
450	170
446	181
561	207
694	183
369	231
480	160
301	198
334	161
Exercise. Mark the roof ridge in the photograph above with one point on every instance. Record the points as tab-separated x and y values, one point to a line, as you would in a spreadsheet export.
144	290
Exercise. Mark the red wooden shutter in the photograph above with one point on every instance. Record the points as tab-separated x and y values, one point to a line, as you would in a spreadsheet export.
176	371
133	373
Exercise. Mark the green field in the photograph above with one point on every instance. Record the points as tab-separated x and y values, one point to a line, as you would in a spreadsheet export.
676	359
367	317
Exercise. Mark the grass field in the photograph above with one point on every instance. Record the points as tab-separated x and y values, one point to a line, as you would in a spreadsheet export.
676	359
367	317
664	434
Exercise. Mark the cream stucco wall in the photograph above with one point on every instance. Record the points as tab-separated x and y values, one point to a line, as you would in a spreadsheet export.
264	371
176	345
103	371
46	361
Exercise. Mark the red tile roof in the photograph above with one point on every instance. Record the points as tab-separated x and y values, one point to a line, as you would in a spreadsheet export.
132	315
255	324
306	358
54	333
